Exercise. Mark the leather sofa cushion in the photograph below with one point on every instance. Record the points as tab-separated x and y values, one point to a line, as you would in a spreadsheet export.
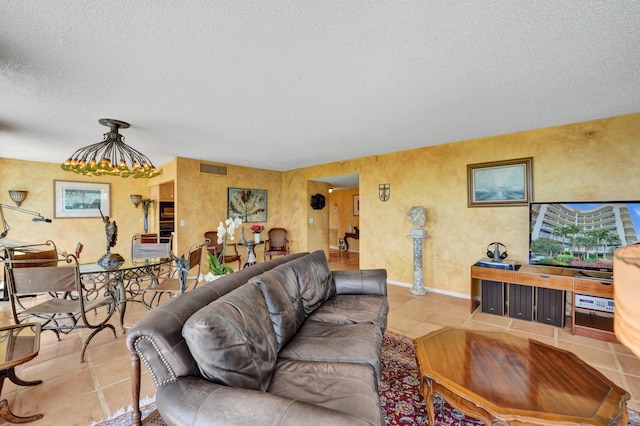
347	388
232	340
314	280
353	309
196	402
157	335
325	342
280	290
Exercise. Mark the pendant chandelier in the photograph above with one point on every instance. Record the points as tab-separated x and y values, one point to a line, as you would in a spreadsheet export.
111	157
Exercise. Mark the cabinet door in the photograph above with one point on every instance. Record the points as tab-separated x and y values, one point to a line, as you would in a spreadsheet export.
550	306
521	301
166	191
493	297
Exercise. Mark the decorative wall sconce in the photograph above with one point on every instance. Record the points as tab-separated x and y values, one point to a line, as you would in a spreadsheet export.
136	199
384	192
17	196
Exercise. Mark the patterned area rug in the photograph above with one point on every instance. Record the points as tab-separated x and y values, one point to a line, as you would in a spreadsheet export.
400	396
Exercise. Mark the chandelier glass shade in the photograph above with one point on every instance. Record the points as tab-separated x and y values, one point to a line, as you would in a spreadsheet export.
111	157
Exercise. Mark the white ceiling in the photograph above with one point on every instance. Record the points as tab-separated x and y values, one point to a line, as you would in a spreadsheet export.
287	84
349	181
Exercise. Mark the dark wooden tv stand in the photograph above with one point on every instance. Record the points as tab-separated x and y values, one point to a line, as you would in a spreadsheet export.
592	323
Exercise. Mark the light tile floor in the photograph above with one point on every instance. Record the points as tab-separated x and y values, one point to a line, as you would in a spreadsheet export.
74	393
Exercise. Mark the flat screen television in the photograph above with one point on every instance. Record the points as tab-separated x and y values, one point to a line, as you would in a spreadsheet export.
581	235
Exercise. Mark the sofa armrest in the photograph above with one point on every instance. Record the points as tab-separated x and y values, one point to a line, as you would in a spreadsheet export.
363	281
195	401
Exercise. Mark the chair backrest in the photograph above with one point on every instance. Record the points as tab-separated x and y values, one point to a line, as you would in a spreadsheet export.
79	248
150	247
147	238
31	276
213	246
35	252
194	260
195	256
277	238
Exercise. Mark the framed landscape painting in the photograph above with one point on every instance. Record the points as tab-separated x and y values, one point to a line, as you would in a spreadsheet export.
81	199
500	183
250	205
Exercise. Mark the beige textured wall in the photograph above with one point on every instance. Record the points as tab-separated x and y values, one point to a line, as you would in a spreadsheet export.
295	209
317	220
201	201
37	178
594	160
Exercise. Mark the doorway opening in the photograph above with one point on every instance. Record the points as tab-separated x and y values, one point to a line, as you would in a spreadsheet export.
343	230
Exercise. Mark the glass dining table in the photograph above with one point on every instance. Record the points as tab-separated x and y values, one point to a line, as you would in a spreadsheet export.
127	279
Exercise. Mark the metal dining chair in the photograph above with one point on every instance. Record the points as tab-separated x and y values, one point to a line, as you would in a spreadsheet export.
47	288
180	281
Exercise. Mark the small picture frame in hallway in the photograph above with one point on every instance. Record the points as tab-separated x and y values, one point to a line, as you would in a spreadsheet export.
500	183
356	205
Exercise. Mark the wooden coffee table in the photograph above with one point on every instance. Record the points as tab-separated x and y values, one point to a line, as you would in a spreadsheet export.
496	377
18	344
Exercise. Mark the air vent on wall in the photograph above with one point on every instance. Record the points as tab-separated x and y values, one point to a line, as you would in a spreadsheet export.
213	170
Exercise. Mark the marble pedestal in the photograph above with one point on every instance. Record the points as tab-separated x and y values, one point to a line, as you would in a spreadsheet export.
418	287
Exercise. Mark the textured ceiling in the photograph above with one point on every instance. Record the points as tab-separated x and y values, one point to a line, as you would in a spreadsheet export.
287	84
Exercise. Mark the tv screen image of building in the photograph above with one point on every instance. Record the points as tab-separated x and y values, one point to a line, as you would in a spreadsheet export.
581	235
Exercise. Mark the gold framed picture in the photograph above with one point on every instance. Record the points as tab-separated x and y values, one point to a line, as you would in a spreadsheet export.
500	183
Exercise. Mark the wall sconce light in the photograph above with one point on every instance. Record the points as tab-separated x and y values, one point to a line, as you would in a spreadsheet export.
17	196
330	190
136	199
384	192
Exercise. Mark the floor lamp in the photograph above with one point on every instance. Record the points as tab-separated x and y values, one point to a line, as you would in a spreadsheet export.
5	226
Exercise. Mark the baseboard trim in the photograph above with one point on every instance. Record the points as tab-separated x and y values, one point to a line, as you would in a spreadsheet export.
431	289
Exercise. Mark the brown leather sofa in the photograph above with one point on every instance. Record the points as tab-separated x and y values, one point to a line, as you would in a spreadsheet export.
284	342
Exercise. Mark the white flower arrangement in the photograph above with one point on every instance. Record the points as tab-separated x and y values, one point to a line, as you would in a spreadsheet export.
217	267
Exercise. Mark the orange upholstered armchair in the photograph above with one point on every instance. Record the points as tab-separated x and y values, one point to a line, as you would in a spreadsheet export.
277	244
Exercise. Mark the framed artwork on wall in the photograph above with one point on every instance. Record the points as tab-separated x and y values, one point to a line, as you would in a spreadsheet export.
250	205
81	199
500	183
356	205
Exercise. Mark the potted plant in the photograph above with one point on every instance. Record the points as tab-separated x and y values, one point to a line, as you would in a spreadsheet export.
217	267
257	229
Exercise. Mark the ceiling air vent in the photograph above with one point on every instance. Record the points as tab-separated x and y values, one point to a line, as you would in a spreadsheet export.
213	170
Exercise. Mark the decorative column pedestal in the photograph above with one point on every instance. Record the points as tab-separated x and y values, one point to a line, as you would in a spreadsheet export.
418	235
417	217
